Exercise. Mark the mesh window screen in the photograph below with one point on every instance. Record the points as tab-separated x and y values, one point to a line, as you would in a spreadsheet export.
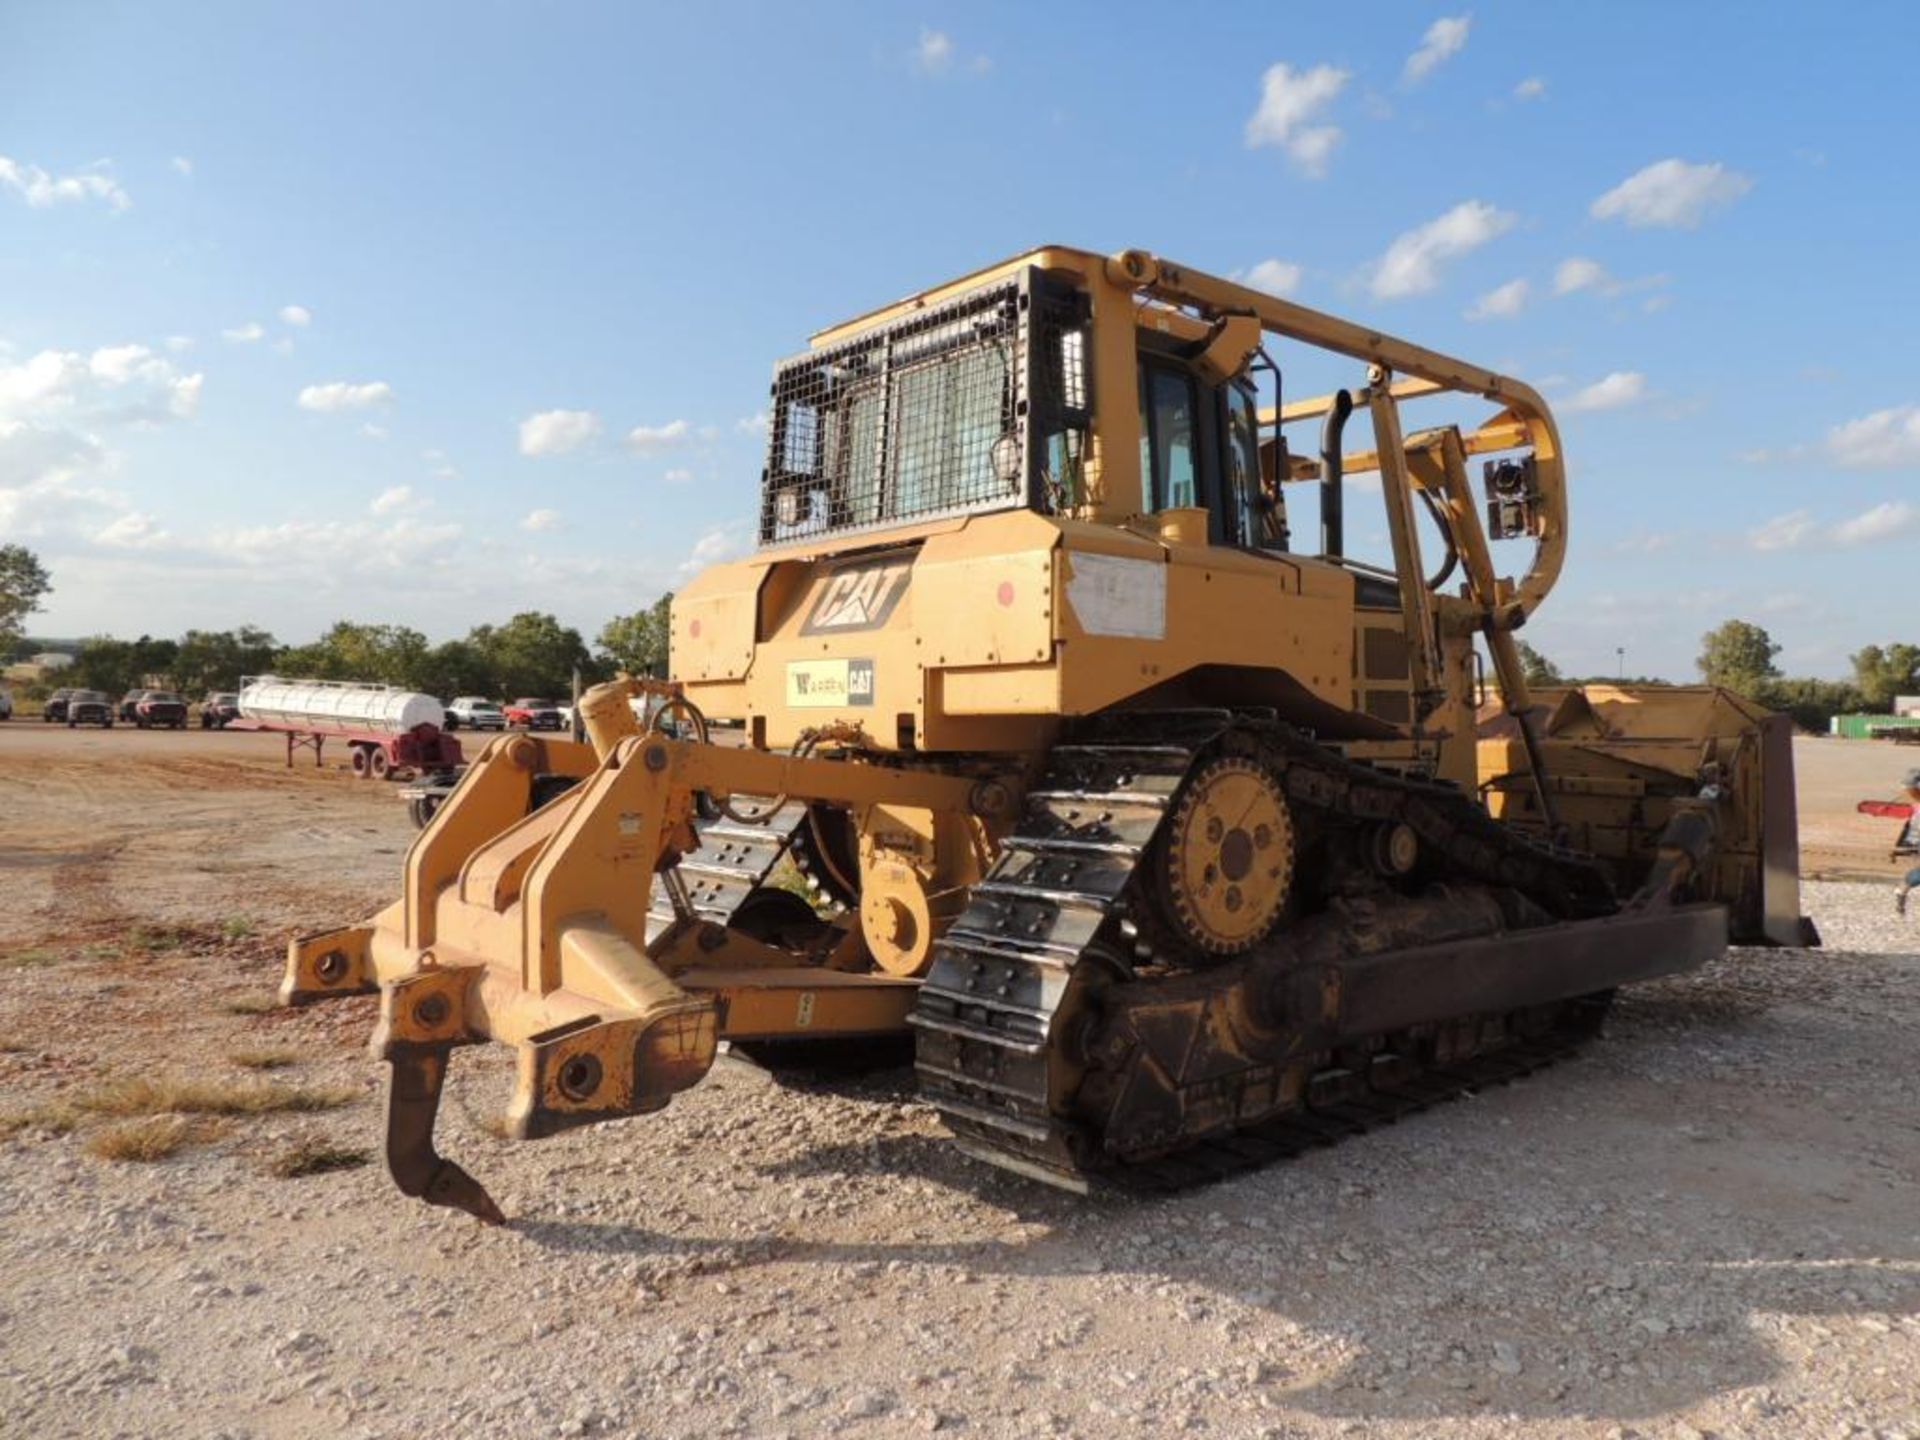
925	417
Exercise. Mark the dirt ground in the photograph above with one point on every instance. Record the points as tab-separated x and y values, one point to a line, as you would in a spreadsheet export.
1705	1225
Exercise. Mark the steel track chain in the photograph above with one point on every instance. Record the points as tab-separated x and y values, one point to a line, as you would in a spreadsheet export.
986	1014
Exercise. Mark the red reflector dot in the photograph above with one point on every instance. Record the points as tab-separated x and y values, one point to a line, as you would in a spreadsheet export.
693	629
1006	592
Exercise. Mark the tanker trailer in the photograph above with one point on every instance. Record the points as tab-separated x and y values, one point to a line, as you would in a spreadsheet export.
389	732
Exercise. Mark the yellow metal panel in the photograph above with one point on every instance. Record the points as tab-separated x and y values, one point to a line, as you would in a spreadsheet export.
1001	690
714	618
990	605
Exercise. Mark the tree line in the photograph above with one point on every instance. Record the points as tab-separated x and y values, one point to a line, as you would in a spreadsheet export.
530	654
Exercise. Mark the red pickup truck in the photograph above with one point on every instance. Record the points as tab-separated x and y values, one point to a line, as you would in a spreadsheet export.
533	714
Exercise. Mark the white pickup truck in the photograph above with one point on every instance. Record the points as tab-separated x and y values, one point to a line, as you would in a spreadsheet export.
472	712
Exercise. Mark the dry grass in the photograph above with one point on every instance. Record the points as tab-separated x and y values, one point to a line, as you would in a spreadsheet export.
28	959
56	1118
314	1157
251	1005
263	1059
11	1046
143	1141
170	1095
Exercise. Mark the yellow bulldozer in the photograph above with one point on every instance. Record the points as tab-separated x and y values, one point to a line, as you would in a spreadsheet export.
1173	844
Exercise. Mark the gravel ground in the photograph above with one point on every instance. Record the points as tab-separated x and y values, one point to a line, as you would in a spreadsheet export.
1705	1225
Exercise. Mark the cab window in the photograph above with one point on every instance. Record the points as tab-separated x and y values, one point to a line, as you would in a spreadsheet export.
1243	467
1168	447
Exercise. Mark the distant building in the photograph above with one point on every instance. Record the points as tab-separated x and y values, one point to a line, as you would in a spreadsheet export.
1906	704
53	660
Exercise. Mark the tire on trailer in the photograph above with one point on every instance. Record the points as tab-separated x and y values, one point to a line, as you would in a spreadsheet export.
377	762
357	760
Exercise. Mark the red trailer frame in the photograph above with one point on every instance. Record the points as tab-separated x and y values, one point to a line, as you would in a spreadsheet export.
377	755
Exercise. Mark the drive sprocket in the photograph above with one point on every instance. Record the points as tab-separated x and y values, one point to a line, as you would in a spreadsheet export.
1226	857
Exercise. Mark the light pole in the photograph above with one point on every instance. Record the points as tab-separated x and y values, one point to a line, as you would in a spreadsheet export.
1620	653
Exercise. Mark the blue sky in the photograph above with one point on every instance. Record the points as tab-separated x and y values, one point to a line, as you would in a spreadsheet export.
289	296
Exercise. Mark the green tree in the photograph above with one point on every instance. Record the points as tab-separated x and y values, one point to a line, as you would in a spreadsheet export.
455	668
103	663
1882	674
24	583
640	643
533	654
1739	656
376	654
1537	668
116	666
212	660
1811	703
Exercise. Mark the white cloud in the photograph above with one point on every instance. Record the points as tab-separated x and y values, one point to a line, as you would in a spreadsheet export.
678	476
1622	387
934	53
1276	277
245	334
1797	529
41	190
1502	301
1289	101
1672	194
333	553
339	395
555	432
397	500
1783	532
652	439
375	432
1881	440
1412	263
132	531
1883	522
179	344
182	166
116	383
541	520
296	315
754	424
1531	88
721	543
58	412
1445	38
1578	273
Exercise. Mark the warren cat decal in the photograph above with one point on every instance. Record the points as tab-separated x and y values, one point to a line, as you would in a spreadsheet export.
859	597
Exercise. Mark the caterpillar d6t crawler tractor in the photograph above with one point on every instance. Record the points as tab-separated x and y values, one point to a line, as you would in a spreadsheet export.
1172	843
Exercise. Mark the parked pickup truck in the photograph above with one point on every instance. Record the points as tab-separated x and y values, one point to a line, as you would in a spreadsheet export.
475	713
89	707
219	710
535	715
150	709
